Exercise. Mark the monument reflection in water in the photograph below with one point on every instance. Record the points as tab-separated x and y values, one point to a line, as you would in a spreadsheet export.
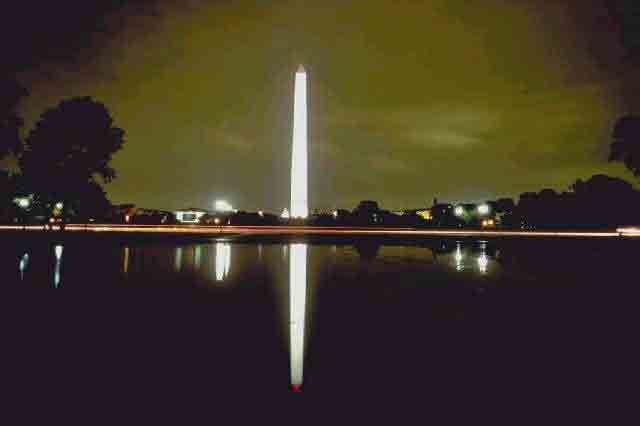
297	302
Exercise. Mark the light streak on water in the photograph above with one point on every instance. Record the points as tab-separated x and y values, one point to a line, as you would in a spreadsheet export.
197	257
56	274
483	259
459	257
177	265
125	265
297	300
23	265
223	260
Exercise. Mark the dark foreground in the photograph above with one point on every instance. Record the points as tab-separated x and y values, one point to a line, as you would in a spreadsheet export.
124	328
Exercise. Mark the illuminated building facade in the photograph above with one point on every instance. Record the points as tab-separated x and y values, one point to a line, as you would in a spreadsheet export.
299	151
192	215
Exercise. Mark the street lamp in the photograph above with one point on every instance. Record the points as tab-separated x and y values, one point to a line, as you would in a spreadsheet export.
24	202
483	209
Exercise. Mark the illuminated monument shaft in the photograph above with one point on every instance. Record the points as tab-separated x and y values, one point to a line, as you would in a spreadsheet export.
299	202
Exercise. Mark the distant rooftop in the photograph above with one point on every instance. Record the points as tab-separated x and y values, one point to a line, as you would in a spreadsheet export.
192	209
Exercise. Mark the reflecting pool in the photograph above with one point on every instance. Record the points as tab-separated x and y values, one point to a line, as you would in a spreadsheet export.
178	320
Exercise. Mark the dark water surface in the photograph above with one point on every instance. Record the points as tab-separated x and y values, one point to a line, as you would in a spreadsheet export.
527	323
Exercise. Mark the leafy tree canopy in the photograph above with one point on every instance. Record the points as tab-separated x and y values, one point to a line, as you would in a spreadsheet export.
67	153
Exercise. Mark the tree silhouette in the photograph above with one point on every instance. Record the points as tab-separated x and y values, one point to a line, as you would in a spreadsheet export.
600	201
67	154
626	143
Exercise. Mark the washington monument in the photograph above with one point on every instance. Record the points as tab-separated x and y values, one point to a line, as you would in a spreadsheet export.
299	151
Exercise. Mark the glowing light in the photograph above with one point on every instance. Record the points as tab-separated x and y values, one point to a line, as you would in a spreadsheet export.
260	213
425	214
223	260
56	274
305	230
216	221
483	209
285	214
629	232
299	202
59	205
127	218
458	211
23	202
223	206
488	222
335	214
297	301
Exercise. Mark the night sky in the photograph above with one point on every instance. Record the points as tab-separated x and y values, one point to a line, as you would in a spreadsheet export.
409	100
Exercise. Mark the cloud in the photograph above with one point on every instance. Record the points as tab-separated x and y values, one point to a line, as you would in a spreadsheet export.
443	139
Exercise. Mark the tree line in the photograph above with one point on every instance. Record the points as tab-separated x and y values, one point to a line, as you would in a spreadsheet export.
600	201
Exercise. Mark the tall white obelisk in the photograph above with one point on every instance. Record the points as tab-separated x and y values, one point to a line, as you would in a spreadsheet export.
299	200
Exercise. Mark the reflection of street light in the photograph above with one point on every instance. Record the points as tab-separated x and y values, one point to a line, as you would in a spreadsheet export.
458	211
483	261
56	276
483	209
459	258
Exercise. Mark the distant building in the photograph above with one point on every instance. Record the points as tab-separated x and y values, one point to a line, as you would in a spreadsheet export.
190	215
151	217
